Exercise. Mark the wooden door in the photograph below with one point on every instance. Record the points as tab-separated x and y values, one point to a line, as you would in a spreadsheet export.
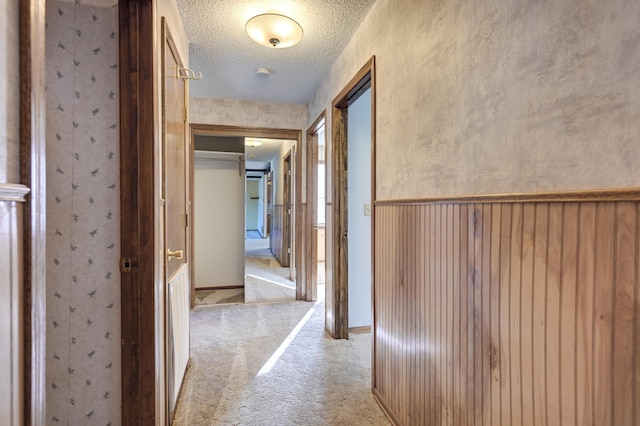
286	226
175	165
174	192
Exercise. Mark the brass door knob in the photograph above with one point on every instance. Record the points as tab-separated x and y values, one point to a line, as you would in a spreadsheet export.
178	254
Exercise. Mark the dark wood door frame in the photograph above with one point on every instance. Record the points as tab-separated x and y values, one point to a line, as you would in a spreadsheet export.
287	193
360	83
259	132
141	280
33	176
312	208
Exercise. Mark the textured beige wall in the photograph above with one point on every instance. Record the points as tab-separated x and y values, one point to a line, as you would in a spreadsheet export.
234	112
500	96
9	92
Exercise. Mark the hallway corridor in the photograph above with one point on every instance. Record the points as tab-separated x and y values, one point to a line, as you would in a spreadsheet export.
236	376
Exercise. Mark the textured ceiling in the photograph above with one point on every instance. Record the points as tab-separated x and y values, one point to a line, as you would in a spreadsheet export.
228	59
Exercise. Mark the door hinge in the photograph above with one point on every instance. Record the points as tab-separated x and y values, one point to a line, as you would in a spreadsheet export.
289	250
289	172
126	263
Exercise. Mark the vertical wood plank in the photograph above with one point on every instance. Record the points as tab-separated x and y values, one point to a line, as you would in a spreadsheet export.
381	299
603	313
379	312
439	309
636	328
539	293
464	323
390	285
456	316
478	353
414	321
568	309
445	314
471	273
449	316
422	391
387	303
504	317
427	303
392	323
622	340
405	398
553	318
494	308
515	314
485	289
526	310
432	316
584	313
399	308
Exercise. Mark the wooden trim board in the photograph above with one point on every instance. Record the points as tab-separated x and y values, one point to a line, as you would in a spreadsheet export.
33	176
137	203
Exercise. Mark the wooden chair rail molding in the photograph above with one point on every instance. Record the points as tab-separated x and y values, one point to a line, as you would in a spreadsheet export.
627	194
509	309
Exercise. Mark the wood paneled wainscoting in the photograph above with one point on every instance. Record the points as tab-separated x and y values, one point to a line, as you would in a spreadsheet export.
509	310
12	328
276	240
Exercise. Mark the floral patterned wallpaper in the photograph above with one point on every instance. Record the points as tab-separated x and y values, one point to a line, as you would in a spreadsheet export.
83	278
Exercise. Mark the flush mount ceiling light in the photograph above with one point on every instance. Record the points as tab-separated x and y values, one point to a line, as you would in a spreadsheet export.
252	142
274	30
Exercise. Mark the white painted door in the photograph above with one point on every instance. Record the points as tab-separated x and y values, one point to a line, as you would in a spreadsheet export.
219	222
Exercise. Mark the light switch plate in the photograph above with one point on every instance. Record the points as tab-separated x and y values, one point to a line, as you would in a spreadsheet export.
367	209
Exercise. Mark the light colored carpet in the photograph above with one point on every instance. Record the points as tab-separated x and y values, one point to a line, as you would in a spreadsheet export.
315	381
265	280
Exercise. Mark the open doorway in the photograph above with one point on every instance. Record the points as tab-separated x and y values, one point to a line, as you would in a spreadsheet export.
269	213
350	292
316	209
254	238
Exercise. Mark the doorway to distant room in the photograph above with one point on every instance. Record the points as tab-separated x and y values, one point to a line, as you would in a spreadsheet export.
251	216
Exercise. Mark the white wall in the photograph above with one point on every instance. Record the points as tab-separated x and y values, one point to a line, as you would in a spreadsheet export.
499	96
219	224
9	92
359	225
